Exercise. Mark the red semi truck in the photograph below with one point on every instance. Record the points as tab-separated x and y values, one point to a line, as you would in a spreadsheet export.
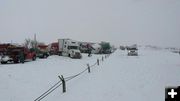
17	54
53	48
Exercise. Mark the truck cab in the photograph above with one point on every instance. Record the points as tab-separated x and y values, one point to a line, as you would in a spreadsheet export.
70	48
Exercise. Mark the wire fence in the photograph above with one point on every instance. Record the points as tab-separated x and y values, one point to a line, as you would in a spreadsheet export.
59	83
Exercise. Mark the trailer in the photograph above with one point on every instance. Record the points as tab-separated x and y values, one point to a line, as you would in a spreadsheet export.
70	48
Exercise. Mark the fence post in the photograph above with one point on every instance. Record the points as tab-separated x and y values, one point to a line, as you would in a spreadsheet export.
98	62
102	58
89	70
63	83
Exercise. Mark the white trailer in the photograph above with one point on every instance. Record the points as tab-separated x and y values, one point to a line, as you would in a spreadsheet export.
70	48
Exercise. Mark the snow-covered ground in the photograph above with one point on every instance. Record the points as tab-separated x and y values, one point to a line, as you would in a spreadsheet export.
118	78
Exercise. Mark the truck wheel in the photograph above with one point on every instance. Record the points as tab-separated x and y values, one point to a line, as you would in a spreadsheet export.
15	61
34	58
22	60
44	56
3	62
60	53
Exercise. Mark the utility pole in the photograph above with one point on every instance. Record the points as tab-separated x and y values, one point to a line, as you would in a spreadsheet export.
35	43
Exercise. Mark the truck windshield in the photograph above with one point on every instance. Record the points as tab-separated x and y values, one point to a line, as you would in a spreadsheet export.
72	47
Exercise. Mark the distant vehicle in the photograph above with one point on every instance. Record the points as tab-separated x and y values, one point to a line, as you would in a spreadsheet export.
132	50
68	47
17	54
132	53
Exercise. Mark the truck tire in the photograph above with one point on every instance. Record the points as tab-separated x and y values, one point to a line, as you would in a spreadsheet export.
34	58
45	56
3	62
22	61
60	53
16	60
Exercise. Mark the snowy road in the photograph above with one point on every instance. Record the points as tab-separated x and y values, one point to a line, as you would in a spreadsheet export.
118	78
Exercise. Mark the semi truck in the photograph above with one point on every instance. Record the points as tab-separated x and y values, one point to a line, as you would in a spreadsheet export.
70	48
17	54
53	48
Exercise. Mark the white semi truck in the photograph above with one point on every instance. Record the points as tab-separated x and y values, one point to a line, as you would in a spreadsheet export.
70	48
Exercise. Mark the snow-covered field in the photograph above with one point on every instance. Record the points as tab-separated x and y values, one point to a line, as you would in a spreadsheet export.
118	78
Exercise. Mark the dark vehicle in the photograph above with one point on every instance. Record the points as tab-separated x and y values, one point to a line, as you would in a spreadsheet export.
132	50
42	54
42	51
17	54
132	53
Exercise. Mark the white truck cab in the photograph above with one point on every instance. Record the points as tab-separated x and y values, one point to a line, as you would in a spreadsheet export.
68	47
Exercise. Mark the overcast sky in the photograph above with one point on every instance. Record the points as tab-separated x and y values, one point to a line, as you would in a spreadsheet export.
155	22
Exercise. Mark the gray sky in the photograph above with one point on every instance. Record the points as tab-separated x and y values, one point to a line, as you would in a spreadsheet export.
155	22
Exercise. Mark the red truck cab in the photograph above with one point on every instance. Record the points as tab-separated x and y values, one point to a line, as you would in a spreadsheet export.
17	54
